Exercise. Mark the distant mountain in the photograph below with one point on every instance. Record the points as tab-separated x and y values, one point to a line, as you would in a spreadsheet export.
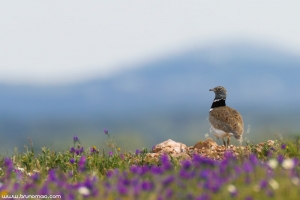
261	82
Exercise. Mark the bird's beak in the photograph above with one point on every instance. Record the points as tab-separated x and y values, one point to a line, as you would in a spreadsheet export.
211	89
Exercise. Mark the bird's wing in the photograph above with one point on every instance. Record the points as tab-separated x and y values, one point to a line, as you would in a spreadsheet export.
227	119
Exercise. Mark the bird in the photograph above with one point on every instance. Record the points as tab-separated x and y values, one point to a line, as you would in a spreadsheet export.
224	120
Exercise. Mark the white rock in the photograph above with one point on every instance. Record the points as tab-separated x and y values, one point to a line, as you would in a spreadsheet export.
170	146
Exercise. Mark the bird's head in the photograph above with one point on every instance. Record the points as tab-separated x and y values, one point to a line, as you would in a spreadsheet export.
220	92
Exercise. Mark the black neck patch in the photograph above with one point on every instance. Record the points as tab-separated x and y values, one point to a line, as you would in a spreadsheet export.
218	102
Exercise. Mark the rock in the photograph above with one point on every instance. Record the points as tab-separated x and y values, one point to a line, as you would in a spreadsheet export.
208	148
170	147
270	142
182	156
207	144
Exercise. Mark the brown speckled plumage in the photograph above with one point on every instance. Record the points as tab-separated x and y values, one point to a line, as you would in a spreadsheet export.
228	120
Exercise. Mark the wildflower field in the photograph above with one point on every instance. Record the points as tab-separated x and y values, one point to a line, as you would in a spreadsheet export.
91	173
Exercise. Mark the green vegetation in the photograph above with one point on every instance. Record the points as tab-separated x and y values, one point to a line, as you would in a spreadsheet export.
269	172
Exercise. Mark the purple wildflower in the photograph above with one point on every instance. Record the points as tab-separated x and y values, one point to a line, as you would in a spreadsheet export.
228	155
197	159
71	197
186	164
125	181
75	139
122	189
109	173
82	163
280	159
44	190
237	170
214	183
81	150
136	191
137	152
201	160
247	167
263	184
296	161
156	170
28	186
223	166
16	186
144	170
9	165
164	158
135	169
35	177
72	150
253	159
52	176
283	146
93	149
141	170
186	174
167	181
147	185
205	174
110	153
89	183
105	131
166	164
135	182
72	160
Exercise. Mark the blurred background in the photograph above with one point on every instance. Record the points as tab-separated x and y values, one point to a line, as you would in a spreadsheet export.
143	70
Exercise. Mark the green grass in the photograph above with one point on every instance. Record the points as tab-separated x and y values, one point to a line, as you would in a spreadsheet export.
104	174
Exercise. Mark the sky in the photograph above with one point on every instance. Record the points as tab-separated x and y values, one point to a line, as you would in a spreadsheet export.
62	42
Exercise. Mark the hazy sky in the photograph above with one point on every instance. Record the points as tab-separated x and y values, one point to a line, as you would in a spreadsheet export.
53	42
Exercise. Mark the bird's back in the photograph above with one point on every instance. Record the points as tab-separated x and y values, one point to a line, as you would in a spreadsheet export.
227	119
